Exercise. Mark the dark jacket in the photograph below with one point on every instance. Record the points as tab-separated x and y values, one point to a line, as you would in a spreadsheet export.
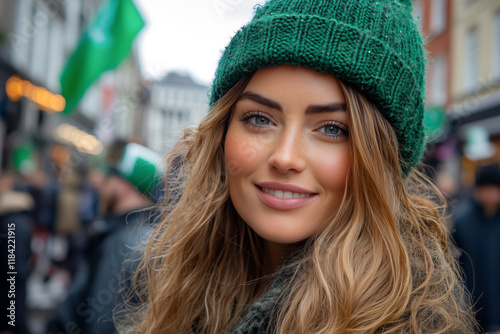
107	269
478	237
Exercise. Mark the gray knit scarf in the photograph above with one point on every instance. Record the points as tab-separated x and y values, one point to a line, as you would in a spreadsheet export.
256	319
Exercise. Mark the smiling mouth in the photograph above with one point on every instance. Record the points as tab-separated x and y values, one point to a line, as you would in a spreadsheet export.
285	194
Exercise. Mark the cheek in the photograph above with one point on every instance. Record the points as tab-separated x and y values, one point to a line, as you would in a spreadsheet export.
240	156
241	152
332	169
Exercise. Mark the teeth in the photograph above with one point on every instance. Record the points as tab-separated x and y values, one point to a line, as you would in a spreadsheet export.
285	194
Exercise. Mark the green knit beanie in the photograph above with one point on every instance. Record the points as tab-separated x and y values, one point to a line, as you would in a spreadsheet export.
372	45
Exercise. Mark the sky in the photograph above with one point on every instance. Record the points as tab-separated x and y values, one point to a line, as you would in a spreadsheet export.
188	35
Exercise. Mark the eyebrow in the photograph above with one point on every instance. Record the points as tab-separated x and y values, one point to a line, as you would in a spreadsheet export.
311	109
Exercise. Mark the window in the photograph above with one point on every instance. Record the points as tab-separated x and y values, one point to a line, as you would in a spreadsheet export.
438	87
496	47
438	16
165	120
471	60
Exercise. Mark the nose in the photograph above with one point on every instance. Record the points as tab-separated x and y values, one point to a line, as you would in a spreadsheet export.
288	152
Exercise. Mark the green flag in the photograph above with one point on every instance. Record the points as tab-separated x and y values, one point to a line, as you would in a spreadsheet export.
104	44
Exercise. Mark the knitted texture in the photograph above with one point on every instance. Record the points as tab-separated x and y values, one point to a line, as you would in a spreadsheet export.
257	318
372	45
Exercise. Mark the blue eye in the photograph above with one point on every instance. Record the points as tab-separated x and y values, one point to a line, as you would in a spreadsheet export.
257	120
331	129
260	120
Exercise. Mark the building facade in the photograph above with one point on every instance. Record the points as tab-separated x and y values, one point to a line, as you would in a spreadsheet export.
475	88
177	102
36	39
435	21
462	38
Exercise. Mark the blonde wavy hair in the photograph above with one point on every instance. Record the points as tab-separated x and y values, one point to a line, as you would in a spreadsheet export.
382	265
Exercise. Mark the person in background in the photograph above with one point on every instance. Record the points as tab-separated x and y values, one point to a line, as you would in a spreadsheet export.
477	236
114	236
67	236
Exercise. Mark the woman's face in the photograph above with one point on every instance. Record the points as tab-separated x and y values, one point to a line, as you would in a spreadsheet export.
287	152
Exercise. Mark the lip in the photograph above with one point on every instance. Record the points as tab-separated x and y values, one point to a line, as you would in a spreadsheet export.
284	187
283	203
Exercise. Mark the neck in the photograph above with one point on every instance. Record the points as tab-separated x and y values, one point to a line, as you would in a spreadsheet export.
274	256
275	253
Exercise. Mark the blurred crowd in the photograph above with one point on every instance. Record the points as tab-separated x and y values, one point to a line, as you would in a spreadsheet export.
73	231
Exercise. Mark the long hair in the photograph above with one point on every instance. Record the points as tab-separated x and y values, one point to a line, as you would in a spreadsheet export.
381	265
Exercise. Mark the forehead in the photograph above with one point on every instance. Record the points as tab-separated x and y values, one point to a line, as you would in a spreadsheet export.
297	83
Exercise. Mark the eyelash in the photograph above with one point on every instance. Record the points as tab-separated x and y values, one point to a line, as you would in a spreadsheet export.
246	117
342	127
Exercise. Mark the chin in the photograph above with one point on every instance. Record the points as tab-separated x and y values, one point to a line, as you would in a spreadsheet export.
279	237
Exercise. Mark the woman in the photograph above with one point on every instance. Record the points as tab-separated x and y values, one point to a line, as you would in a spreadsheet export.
297	208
